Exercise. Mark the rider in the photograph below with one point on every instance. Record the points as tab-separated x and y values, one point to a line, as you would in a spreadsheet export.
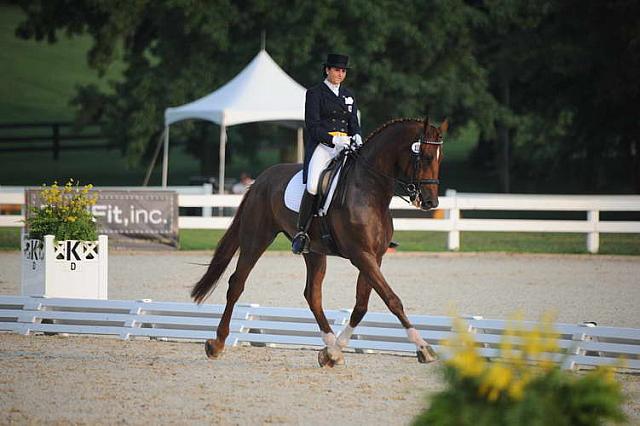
331	121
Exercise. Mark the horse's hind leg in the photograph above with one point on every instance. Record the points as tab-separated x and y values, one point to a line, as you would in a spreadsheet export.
249	255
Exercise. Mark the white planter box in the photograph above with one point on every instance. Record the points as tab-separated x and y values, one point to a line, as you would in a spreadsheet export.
67	268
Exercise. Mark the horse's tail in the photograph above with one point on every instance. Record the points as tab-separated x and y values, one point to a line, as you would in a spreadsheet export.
227	247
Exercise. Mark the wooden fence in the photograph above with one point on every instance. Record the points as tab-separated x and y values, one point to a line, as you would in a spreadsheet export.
51	136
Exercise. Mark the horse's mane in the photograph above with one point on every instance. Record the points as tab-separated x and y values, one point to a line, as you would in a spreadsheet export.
389	123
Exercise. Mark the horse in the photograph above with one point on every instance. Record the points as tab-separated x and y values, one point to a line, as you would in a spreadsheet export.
404	151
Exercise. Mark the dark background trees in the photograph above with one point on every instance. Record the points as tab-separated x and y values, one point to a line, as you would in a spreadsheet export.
547	88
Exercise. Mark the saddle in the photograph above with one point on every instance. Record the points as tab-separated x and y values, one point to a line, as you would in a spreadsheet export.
326	187
332	185
331	192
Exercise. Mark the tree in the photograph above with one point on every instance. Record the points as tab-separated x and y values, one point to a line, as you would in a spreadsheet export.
566	83
595	61
549	85
178	50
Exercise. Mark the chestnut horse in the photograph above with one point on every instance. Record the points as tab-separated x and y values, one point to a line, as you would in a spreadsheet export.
405	151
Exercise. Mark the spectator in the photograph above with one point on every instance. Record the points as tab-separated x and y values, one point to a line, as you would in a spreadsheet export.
244	184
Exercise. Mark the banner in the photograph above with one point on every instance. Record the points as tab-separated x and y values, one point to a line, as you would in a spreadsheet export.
131	218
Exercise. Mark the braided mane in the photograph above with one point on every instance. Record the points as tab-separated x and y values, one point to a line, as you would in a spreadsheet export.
389	123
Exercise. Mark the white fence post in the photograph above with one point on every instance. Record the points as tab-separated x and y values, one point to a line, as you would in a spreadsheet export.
453	214
207	189
593	238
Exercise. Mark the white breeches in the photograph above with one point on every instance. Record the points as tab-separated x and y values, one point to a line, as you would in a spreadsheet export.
320	159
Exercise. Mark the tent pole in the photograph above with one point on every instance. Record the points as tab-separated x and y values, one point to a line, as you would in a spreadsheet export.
223	143
165	158
152	164
300	146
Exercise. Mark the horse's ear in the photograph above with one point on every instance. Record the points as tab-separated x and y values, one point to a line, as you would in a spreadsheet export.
444	126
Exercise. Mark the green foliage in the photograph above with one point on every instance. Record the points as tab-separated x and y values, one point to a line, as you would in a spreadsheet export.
524	388
555	397
65	213
566	86
180	50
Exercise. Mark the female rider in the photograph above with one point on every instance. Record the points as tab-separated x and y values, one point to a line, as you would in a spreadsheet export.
331	121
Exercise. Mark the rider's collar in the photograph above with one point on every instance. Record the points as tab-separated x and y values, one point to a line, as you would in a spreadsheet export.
335	88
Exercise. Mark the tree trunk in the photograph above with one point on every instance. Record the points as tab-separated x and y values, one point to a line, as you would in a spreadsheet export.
502	151
635	166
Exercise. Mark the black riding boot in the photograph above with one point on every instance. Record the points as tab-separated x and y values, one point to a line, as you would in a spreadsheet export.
300	243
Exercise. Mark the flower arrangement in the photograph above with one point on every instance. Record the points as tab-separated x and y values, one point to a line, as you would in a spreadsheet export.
527	387
65	213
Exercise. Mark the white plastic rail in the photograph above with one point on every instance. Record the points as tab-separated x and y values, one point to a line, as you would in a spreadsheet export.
582	344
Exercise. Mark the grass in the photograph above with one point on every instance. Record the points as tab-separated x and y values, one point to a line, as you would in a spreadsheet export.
38	78
9	238
207	239
512	242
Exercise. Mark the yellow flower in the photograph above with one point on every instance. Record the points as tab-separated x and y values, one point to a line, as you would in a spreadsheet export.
532	343
465	358
468	363
71	218
497	379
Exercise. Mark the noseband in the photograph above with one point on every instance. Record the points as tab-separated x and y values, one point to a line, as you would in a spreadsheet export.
413	186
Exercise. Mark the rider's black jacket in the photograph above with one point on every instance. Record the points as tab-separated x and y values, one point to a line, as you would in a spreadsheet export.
325	112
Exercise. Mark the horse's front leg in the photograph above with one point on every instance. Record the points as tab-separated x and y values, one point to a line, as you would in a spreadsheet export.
331	355
370	271
363	291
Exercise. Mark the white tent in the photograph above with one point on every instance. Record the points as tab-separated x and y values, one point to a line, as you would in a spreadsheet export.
262	91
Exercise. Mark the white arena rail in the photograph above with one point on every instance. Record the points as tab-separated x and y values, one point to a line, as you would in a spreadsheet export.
453	204
582	344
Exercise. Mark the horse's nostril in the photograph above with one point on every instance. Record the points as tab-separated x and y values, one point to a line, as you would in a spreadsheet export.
429	204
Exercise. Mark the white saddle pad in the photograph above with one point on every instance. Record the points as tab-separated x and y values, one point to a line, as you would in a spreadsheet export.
295	190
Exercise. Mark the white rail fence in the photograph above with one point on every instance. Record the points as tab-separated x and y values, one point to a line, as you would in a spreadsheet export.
580	345
453	204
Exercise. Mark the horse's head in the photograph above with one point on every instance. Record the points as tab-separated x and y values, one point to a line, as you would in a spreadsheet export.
423	166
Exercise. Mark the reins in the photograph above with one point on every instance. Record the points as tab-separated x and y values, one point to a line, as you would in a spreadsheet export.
412	187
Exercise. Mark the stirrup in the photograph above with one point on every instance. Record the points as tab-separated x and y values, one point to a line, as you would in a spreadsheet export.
300	243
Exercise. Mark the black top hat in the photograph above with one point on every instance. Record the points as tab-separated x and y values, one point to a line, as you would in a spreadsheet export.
337	61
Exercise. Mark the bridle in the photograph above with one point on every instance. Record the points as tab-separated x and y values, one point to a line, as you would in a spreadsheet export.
413	186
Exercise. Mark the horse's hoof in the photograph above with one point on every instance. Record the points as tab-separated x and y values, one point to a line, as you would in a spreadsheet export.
426	354
330	357
213	348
